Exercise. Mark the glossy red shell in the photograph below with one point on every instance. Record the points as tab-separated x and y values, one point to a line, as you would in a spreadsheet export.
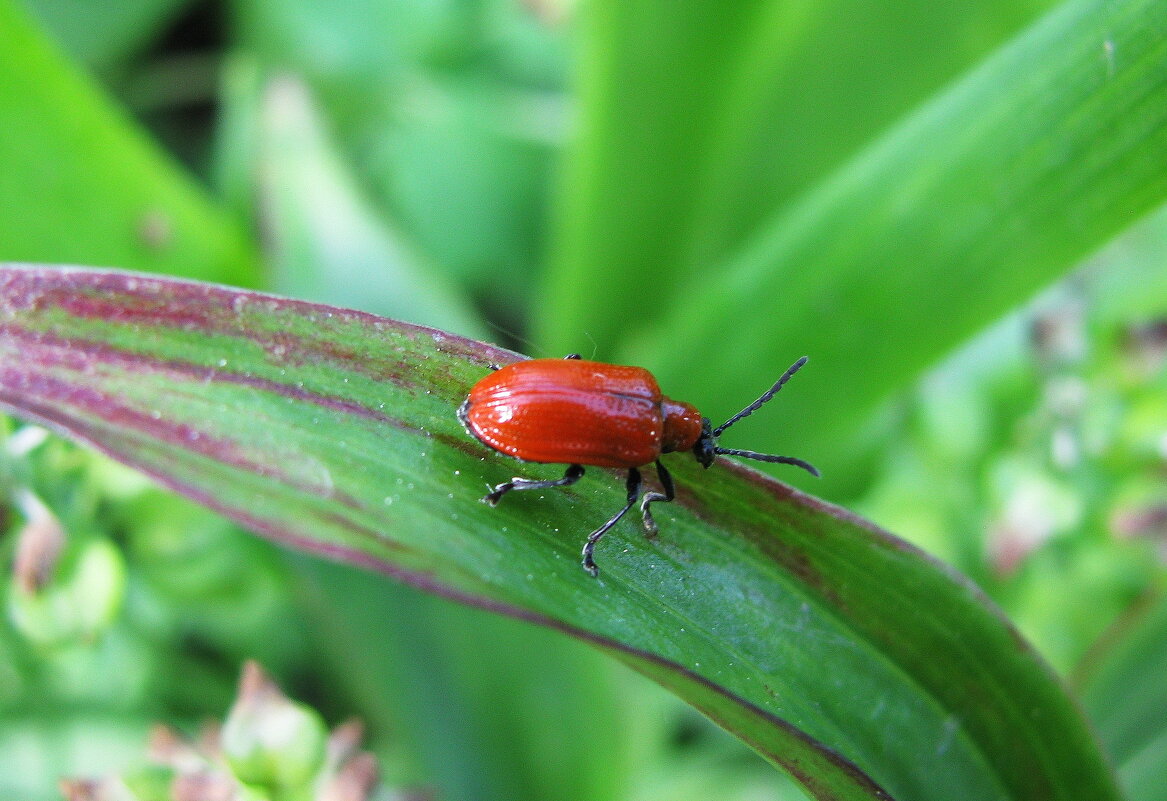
573	411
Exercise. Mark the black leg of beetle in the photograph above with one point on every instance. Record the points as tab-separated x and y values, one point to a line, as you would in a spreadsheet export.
572	356
573	474
589	564
666	481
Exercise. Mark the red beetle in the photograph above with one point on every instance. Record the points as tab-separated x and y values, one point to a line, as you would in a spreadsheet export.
589	413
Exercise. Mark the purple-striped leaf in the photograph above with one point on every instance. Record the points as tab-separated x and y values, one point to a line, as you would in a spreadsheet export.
837	651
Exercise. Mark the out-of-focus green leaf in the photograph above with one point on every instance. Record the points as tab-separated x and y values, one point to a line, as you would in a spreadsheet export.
102	34
708	776
698	121
653	78
836	651
80	183
1005	181
966	209
64	743
1126	698
818	81
325	239
485	707
448	112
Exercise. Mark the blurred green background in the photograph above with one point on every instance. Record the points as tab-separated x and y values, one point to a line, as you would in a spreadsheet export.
956	210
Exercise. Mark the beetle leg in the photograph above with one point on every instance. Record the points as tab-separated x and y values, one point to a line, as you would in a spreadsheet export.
670	493
573	474
572	356
633	485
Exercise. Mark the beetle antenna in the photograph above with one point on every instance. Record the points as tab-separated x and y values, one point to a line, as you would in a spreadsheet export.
753	407
766	457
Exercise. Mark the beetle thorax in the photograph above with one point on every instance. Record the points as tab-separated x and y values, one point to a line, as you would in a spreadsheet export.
682	426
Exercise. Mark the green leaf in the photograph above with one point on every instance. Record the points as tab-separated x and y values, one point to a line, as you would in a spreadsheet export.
489	708
104	34
998	186
1126	698
804	98
327	241
835	650
698	121
654	79
447	111
81	184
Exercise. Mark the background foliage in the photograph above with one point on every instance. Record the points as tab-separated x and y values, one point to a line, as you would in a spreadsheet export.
956	210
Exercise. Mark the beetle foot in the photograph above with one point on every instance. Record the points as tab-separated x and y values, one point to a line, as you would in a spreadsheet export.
650	527
589	566
495	495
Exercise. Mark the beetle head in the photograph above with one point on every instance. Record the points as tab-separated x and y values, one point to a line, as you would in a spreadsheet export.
705	448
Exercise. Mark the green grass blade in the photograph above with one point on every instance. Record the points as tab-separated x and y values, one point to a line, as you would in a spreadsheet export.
79	183
650	96
450	112
1126	698
697	121
327	241
105	35
431	673
840	653
805	99
999	186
